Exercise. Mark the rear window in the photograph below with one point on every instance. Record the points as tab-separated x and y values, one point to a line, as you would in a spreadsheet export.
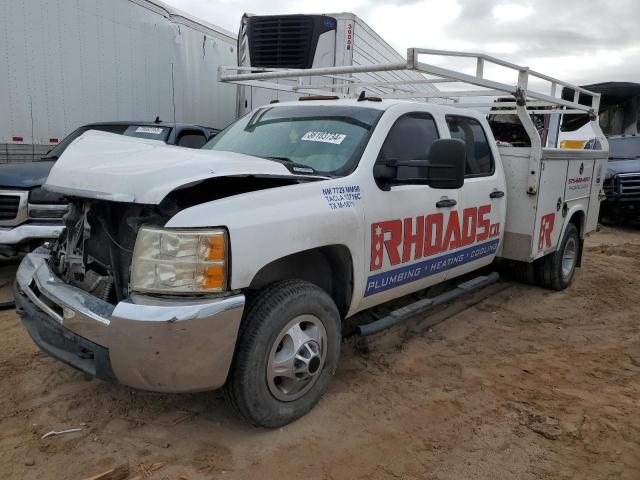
56	151
479	158
157	133
150	132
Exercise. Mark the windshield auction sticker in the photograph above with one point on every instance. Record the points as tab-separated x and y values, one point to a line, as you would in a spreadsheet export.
325	137
151	130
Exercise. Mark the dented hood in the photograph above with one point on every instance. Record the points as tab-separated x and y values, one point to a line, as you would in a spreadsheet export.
113	167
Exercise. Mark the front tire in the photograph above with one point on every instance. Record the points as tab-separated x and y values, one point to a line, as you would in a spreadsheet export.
556	270
287	351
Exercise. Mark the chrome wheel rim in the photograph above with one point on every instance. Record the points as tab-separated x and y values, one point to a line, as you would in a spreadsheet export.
569	258
296	358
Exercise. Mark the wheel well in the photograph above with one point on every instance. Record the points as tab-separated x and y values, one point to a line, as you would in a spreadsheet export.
329	267
578	219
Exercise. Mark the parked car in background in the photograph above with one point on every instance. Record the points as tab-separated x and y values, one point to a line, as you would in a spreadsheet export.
29	214
622	178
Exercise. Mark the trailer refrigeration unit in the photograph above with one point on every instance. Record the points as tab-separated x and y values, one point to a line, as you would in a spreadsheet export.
316	41
65	64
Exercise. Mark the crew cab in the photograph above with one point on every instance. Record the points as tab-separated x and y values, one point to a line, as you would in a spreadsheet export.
235	265
29	214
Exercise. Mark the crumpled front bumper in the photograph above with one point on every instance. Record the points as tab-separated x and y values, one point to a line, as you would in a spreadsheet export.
145	342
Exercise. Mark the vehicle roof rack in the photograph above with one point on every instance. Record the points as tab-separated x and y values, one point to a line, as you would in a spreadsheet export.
351	87
457	86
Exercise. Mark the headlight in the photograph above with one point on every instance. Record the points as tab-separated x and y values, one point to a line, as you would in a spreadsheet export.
40	195
179	261
47	211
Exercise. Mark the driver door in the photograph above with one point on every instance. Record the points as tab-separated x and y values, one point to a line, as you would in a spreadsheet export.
406	221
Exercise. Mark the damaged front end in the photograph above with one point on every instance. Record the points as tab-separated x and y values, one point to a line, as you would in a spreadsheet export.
95	251
76	302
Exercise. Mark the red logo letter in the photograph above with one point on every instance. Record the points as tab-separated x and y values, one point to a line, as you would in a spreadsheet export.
452	233
410	238
483	223
433	239
378	230
469	225
546	227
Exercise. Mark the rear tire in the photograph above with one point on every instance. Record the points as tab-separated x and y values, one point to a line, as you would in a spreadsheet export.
524	273
556	270
287	351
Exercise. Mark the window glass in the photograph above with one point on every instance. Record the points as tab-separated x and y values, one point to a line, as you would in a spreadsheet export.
56	151
410	138
152	132
479	158
191	139
325	139
624	148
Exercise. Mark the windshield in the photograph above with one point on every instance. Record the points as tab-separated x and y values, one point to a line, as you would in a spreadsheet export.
152	132
321	139
627	147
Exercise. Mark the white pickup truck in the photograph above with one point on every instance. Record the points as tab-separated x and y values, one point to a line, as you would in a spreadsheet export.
234	266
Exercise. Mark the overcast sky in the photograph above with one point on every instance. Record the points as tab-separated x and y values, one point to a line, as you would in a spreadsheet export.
581	41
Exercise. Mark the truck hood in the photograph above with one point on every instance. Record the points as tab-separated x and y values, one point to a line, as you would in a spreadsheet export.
113	167
623	166
24	175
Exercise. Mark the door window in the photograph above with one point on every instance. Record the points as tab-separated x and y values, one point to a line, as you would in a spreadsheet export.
191	139
479	158
409	139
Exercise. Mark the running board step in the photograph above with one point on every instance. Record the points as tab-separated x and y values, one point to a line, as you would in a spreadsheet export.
421	306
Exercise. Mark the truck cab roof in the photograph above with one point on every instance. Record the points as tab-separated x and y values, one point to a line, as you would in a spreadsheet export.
383	104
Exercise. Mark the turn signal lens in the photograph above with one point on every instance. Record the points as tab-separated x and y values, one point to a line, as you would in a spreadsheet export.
216	248
214	277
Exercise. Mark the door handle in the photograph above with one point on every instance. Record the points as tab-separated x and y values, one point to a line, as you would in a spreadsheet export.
446	202
496	194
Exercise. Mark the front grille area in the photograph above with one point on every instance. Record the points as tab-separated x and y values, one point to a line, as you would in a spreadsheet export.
285	41
95	251
9	206
629	185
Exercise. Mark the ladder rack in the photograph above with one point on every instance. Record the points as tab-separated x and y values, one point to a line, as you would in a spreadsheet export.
342	81
349	86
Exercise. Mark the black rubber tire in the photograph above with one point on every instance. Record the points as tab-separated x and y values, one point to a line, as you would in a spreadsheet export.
246	390
525	273
6	306
550	266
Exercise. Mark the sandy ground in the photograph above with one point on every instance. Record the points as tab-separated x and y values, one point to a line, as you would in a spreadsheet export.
526	384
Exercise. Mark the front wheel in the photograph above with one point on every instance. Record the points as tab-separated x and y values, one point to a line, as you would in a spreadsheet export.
287	351
556	270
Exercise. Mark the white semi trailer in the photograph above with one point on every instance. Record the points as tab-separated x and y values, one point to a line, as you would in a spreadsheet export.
67	63
316	41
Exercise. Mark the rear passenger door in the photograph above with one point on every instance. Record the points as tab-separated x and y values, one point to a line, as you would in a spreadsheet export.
482	199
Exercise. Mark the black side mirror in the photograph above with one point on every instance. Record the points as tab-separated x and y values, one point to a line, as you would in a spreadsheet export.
386	170
444	168
447	161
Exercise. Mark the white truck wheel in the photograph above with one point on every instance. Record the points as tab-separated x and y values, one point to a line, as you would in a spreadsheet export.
556	270
287	351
